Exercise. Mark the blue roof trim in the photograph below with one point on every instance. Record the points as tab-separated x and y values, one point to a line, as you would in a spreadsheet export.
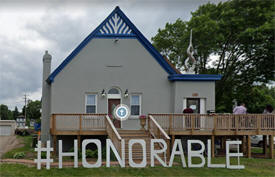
194	77
135	33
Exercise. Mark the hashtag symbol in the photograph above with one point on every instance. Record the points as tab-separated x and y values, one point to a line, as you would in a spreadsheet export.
48	149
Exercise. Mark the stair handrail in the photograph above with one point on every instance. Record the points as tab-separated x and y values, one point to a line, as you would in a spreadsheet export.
159	127
110	123
160	130
113	134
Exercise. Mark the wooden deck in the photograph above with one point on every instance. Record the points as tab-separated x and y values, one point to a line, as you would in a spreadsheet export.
217	124
170	125
78	124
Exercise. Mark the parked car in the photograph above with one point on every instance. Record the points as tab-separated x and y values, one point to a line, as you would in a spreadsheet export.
257	140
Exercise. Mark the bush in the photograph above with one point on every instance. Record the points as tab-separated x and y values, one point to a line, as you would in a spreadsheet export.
90	153
19	155
43	155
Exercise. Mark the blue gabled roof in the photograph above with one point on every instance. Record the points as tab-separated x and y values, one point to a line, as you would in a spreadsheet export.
116	25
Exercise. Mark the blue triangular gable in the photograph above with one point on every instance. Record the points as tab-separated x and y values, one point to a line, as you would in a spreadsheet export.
116	25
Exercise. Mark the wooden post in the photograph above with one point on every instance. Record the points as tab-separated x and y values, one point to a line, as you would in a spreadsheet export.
158	134
258	124
265	145
192	124
236	124
173	139
248	140
271	153
168	149
223	139
228	123
80	124
215	124
54	144
243	145
170	123
54	124
212	146
148	118
79	141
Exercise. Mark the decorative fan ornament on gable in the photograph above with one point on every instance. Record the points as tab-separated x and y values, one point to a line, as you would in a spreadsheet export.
115	25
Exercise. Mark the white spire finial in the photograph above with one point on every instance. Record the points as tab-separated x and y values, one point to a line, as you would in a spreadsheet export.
190	62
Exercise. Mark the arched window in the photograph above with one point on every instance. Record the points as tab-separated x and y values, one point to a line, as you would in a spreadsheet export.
113	91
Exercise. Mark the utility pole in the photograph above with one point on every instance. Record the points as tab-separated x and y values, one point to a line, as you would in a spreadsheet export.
25	98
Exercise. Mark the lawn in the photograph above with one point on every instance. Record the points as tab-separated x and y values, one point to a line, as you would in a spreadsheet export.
253	167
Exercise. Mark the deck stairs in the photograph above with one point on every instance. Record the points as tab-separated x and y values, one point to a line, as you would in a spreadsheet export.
137	153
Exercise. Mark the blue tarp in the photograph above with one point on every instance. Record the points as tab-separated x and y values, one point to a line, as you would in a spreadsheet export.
37	126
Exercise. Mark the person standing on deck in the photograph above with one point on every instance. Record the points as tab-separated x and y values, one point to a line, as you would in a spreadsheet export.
188	110
268	109
240	109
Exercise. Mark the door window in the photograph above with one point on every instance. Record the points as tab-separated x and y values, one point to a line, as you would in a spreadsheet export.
194	104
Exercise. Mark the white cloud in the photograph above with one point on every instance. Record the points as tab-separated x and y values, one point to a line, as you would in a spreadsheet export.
28	28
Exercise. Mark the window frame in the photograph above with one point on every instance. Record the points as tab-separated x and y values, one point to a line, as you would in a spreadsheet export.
86	96
140	103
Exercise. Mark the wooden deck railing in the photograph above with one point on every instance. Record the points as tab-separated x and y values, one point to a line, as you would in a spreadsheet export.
158	133
113	134
212	122
77	122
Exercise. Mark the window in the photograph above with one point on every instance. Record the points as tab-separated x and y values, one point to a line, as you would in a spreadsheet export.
194	104
90	103
113	91
135	105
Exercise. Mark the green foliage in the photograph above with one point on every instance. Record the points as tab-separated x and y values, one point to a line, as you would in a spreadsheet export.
19	155
5	113
43	155
90	153
233	38
15	113
33	110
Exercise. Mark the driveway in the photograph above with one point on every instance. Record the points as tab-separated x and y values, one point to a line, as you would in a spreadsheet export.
8	143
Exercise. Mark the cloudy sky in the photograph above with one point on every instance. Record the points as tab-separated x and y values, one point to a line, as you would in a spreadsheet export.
28	28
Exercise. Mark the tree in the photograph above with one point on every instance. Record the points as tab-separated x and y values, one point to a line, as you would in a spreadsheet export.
33	109
5	113
234	38
15	113
259	97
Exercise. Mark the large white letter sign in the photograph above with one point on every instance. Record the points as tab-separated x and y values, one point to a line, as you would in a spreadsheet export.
99	156
63	154
154	153
198	153
144	160
48	149
177	143
209	157
228	155
121	159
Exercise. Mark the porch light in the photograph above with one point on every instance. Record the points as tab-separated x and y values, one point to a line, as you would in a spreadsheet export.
103	93
126	93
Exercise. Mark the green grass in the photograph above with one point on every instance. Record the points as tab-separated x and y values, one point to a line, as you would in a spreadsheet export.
27	149
253	167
